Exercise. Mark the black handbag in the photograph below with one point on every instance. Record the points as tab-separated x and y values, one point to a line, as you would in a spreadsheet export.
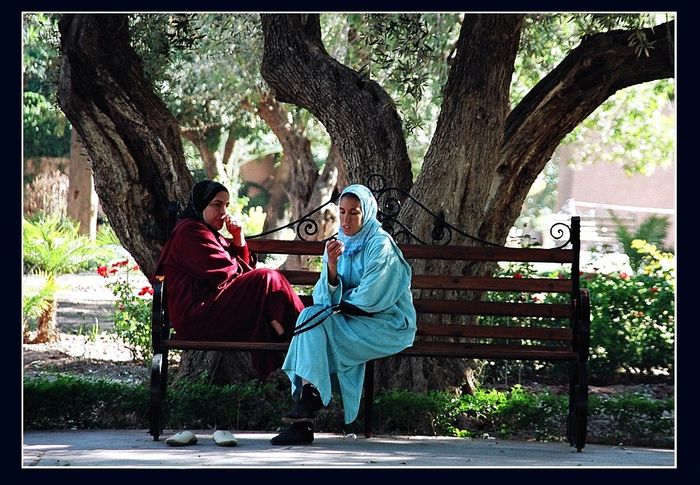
341	307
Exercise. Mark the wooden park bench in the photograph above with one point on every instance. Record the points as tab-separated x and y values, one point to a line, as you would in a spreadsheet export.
522	330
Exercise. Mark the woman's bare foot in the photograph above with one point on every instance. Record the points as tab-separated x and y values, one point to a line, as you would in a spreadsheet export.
277	326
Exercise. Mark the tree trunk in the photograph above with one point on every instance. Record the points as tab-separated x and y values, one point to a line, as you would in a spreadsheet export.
132	139
220	367
358	114
323	224
82	198
46	325
213	167
294	180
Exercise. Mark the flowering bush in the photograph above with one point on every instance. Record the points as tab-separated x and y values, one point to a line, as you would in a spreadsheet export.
132	309
632	318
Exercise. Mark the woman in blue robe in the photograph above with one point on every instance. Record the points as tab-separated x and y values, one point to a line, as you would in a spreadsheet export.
363	268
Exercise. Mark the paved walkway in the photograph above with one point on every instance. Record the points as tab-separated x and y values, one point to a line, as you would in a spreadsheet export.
136	449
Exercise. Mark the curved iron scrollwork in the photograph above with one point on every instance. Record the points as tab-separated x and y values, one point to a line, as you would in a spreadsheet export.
390	206
562	230
305	227
389	201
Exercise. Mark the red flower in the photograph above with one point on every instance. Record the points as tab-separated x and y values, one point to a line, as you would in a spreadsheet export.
119	264
654	289
102	271
136	267
146	289
518	275
624	275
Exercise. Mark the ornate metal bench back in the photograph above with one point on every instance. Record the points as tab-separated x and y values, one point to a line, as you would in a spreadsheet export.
389	201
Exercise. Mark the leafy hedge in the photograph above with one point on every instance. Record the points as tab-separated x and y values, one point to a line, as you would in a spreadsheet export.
66	401
632	320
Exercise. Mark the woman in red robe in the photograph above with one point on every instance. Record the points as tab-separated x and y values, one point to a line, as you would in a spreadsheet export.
214	292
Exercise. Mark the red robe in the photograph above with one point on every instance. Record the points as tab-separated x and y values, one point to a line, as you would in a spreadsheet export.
215	294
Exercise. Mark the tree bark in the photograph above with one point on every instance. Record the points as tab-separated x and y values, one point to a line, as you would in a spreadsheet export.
132	139
213	168
294	180
358	114
46	330
82	198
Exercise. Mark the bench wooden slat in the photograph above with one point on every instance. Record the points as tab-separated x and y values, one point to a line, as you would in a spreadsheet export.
472	253
484	331
489	351
489	308
276	246
300	277
422	282
437	349
484	308
214	345
535	285
418	251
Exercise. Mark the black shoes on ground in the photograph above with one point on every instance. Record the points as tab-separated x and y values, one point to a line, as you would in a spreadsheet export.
300	413
297	434
305	409
302	417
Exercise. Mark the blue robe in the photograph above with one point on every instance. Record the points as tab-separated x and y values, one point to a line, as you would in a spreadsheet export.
333	354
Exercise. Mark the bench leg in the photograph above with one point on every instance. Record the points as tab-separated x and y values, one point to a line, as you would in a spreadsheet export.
577	419
581	424
159	383
369	397
571	415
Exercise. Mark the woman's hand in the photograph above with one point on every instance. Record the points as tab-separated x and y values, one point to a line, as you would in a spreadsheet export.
234	227
334	249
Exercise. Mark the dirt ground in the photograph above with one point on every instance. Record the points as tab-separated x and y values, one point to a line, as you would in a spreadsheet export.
87	344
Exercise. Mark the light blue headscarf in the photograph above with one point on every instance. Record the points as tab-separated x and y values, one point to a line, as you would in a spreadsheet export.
370	223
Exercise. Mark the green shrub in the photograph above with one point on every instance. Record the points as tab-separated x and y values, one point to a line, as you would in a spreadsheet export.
37	299
63	401
406	412
53	245
632	321
541	415
632	418
132	307
66	401
653	230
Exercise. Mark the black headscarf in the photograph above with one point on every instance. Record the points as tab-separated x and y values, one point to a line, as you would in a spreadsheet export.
202	194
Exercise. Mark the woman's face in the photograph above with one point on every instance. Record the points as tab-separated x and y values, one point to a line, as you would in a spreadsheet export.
215	212
350	215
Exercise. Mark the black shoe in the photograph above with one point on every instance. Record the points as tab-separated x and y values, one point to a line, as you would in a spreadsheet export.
300	413
296	434
304	410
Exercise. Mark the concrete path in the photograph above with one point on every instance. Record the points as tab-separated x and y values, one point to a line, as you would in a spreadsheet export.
136	449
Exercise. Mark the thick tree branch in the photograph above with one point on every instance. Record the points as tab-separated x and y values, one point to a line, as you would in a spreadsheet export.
601	65
358	114
463	154
133	140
